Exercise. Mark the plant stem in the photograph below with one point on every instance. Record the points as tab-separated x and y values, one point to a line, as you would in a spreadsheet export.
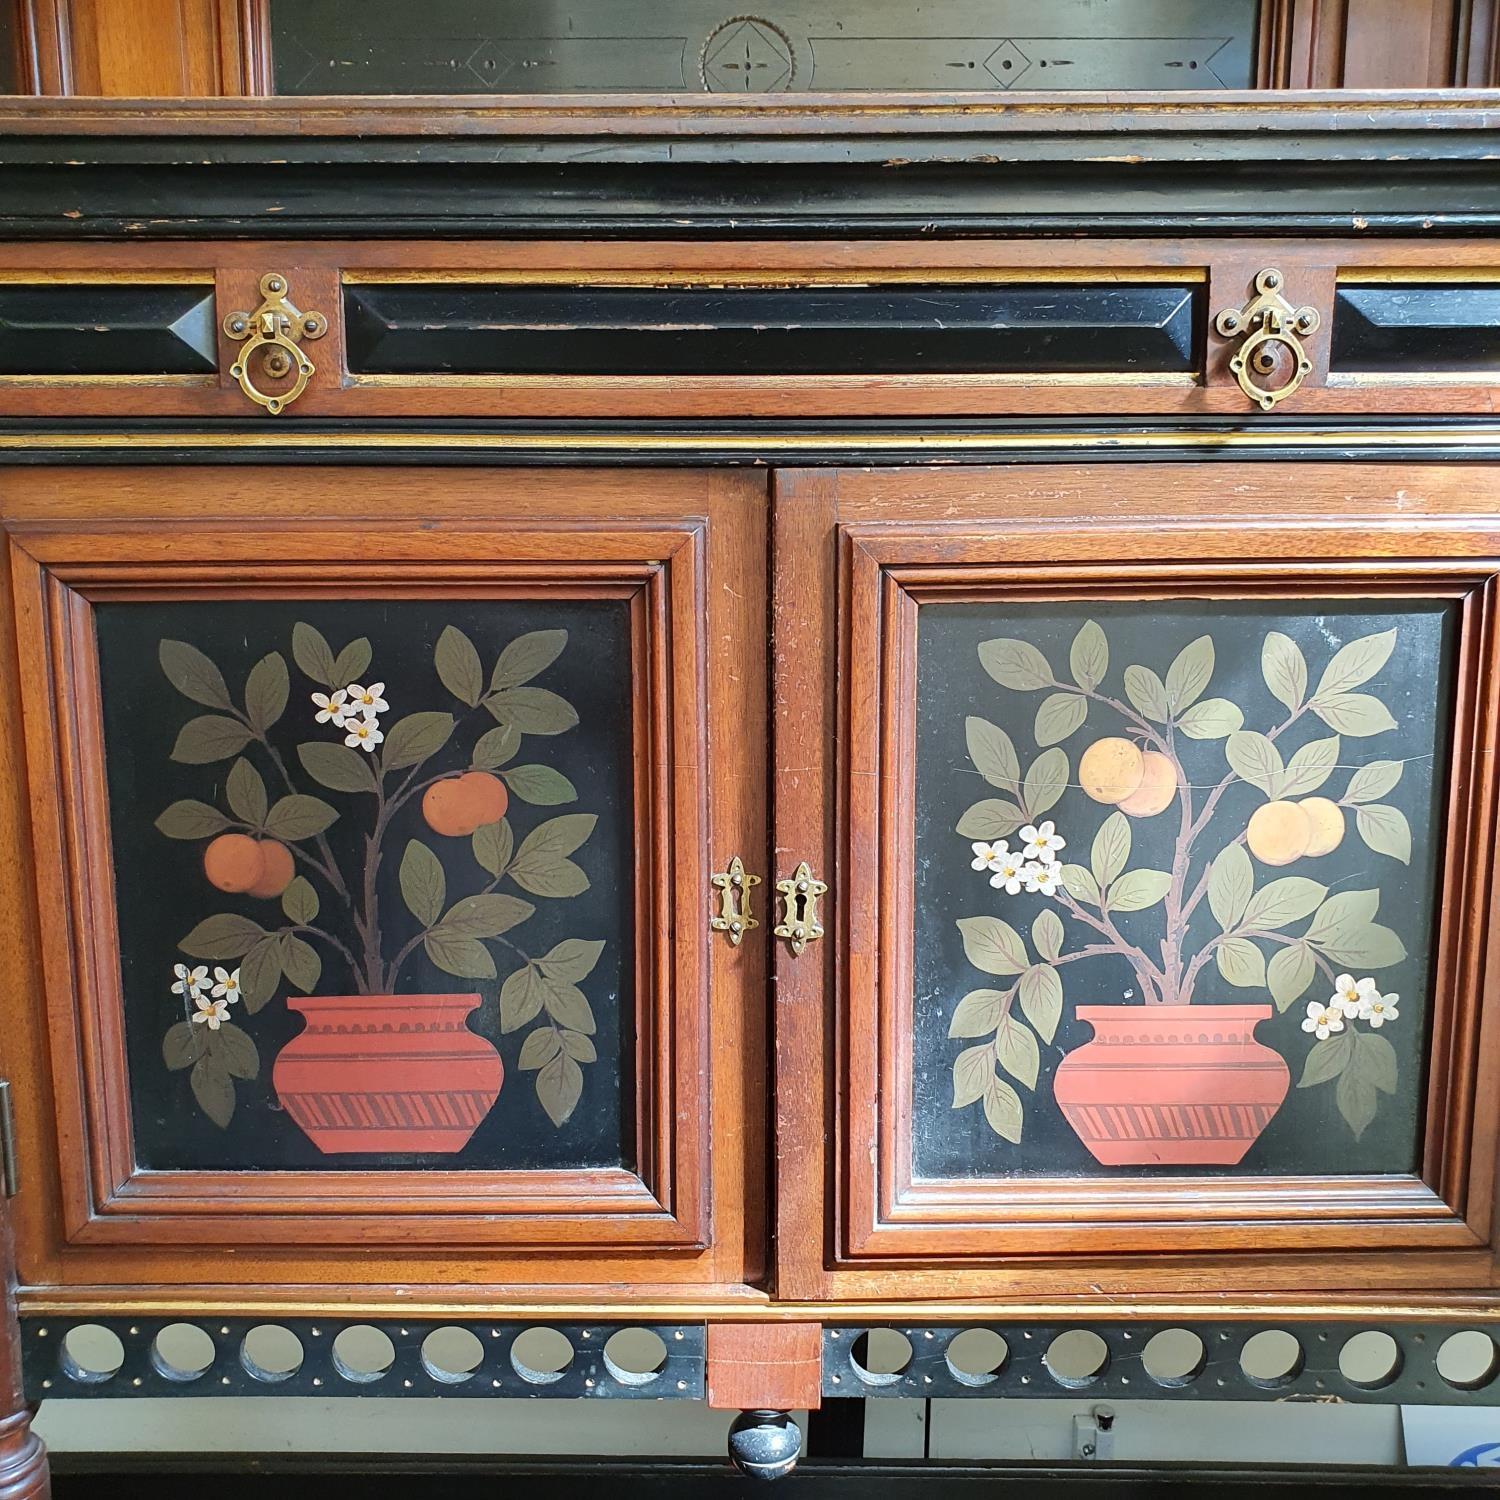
1148	975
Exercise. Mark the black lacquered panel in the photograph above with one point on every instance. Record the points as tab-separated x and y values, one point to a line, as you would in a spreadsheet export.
90	328
676	46
1404	327
422	329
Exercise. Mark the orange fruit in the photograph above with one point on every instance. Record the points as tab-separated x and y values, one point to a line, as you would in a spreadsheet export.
1327	819
487	796
445	805
276	869
1111	769
1157	790
232	862
1279	832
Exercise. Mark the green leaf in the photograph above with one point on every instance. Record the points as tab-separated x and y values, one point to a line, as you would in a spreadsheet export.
1376	1060
977	1014
1059	715
423	884
484	916
495	747
993	754
1041	997
539	785
493	845
1355	663
1281	901
300	901
520	998
1147	692
1003	1110
1241	962
1327	1059
1080	885
1189	673
1289	973
413	739
224	936
182	1046
351	662
1047	933
1111	848
1359	714
561	835
458	666
559	1086
1137	889
314	655
1015	664
299	817
1254	758
1357	1100
234	1049
260	972
213	1089
572	959
301	962
990	820
579	1047
208	738
972	1070
567	1005
532	710
337	767
1309	767
193	674
1089	656
1371	782
993	946
540	864
246	793
1046	781
526	656
1341	915
197	820
1371	946
266	691
467	958
1231	879
1212	719
1017	1052
1284	668
539	1048
1385	830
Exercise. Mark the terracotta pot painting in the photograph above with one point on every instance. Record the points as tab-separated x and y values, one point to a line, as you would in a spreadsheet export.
1176	877
385	849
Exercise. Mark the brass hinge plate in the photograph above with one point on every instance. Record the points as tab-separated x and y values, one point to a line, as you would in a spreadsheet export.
10	1182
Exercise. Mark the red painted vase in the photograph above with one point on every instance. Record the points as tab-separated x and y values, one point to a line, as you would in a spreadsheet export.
387	1073
1171	1085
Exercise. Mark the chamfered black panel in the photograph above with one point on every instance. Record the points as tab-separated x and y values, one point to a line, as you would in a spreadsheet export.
1405	327
901	329
92	329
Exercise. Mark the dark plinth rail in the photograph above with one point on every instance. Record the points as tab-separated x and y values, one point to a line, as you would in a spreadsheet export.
1403	328
474	329
89	328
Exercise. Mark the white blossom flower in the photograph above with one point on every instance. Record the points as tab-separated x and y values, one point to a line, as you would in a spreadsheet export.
332	709
1323	1020
1352	995
226	985
1042	842
189	981
1380	1009
211	1013
366	700
986	855
364	734
1009	873
1043	877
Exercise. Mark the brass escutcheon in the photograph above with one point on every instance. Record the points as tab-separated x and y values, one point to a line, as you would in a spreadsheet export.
800	923
734	886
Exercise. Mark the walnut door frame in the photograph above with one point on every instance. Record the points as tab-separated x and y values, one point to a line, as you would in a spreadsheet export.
682	550
855	554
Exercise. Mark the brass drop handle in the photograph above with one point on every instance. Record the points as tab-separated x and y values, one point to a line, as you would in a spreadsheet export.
800	923
1266	320
274	333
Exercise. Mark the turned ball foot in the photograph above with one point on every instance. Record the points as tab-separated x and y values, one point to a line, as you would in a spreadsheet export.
765	1444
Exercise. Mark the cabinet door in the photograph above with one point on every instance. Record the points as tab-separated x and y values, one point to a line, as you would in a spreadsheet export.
368	824
1156	805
